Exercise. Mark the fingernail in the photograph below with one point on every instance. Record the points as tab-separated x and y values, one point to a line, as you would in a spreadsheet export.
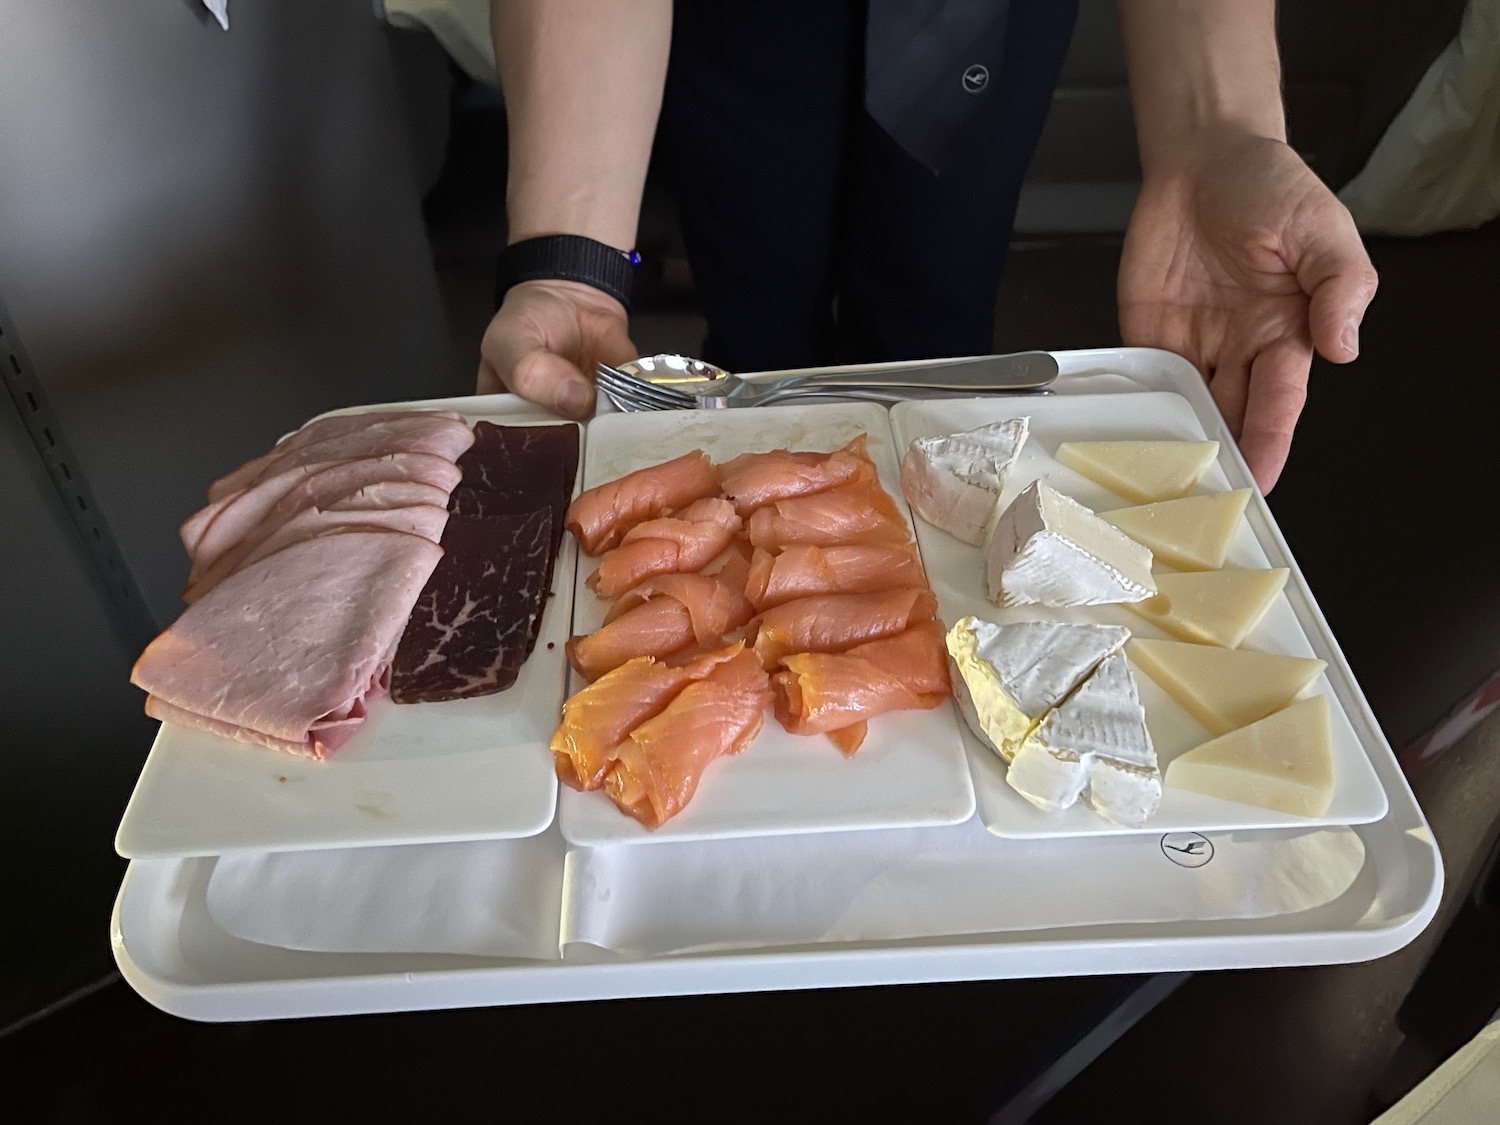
1351	338
573	398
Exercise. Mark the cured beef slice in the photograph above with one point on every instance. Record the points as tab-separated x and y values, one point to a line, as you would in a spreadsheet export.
510	470
474	623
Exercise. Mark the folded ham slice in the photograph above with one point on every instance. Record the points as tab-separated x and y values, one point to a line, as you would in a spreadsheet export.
308	631
354	435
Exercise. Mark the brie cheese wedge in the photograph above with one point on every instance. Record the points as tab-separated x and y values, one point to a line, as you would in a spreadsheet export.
1048	549
1143	471
1282	762
1011	676
954	481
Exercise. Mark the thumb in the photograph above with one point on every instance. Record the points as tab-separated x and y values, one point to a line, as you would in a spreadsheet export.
516	352
1335	272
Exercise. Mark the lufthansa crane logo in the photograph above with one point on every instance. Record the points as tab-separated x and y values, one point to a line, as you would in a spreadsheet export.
976	78
1187	849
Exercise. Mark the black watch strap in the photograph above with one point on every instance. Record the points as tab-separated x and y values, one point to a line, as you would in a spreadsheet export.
568	257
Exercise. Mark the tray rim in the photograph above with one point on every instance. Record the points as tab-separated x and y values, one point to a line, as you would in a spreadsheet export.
978	957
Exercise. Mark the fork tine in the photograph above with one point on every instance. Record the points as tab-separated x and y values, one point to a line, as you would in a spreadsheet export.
629	400
641	390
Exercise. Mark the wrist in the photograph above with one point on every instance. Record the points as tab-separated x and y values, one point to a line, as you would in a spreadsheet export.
583	261
575	293
1188	155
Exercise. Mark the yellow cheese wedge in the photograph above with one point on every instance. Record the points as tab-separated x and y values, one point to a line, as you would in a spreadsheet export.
1215	607
1283	762
1192	533
1143	471
1224	688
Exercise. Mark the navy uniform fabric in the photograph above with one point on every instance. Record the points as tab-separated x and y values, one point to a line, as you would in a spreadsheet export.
818	233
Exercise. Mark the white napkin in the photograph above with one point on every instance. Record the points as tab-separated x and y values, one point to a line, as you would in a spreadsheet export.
219	9
655	899
493	898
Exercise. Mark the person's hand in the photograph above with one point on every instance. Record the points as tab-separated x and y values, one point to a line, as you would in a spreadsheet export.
1241	260
545	340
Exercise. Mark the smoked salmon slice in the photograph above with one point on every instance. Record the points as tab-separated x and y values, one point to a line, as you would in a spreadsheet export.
801	570
686	541
838	622
601	716
660	617
658	768
825	693
602	515
859	513
753	480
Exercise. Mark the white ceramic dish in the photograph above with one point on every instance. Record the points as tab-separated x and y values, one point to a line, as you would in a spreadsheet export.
911	769
464	770
956	571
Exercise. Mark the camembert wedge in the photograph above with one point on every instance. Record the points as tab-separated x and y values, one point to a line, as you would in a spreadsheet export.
1093	744
954	481
1143	471
1011	676
1216	607
1048	549
1224	688
1283	762
1193	533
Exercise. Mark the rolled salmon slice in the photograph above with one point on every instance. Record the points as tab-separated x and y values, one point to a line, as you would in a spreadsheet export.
803	570
659	767
826	693
686	542
601	516
860	513
754	480
655	628
715	603
601	716
838	622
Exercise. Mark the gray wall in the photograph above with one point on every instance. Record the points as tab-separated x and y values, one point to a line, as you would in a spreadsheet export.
205	238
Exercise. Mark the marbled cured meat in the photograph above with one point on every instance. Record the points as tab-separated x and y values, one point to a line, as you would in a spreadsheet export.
472	627
514	469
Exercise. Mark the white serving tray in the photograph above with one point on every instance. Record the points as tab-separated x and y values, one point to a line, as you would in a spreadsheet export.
173	954
471	769
911	769
956	571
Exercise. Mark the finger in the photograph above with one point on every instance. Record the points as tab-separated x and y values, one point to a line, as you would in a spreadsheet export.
518	357
1276	394
487	382
1334	270
1228	386
545	377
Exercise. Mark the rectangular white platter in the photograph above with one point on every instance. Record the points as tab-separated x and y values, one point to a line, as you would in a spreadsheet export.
911	769
419	773
956	571
170	950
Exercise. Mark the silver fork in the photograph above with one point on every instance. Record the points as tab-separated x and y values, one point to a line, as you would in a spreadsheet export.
687	384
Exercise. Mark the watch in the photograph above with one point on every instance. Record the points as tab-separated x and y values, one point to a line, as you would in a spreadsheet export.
568	257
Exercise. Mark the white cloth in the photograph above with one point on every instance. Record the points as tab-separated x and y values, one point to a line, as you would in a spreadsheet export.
219	9
461	26
1438	165
1465	1090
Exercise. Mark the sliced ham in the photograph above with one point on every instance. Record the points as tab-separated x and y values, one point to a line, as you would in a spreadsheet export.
258	511
391	494
426	520
307	633
348	436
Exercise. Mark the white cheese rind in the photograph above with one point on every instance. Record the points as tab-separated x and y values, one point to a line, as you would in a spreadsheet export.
954	481
1010	676
1048	549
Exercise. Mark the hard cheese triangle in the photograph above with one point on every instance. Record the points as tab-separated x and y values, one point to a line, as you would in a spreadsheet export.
1216	607
1193	533
1282	762
1143	471
1224	688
